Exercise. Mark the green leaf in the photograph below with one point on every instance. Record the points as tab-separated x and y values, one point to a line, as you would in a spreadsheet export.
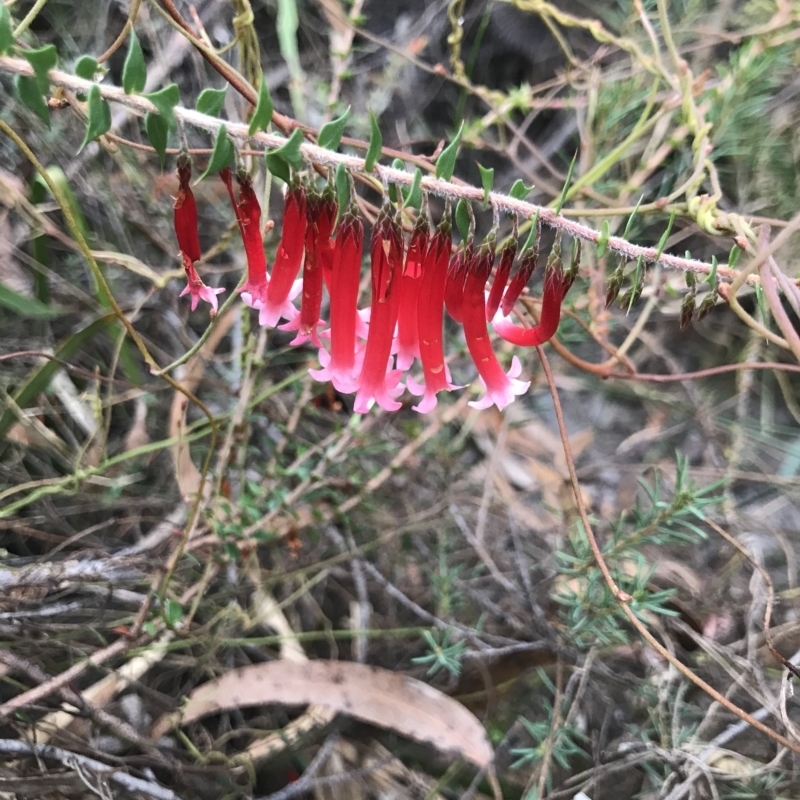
42	60
397	164
262	116
519	191
375	144
28	92
87	67
342	181
331	133
173	612
99	116
663	242
446	163
165	101
211	100
134	71
25	306
6	30
602	240
413	195
41	377
157	130
57	176
733	257
463	218
711	280
487	180
222	155
567	182
287	155
278	167
629	223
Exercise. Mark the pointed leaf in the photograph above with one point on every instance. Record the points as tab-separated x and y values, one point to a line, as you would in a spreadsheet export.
487	180
157	130
663	242
330	134
287	155
87	67
222	155
378	696
629	223
602	240
211	100
28	92
463	218
413	194
519	191
397	164
6	30
98	116
446	163
375	145
165	101
25	306
134	71
262	116
567	182
42	60
342	181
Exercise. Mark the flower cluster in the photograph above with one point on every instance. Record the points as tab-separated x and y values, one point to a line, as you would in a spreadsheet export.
370	352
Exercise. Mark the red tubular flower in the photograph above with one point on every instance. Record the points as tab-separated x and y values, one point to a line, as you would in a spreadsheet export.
501	388
410	285
456	278
320	217
557	283
430	318
377	383
526	267
507	253
254	292
185	212
281	290
340	365
185	218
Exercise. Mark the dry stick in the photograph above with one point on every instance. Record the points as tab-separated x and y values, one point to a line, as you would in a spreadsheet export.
624	599
321	157
79	763
117	43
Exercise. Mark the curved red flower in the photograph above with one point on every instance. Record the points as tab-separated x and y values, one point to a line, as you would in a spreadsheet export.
378	383
507	253
410	285
526	267
281	289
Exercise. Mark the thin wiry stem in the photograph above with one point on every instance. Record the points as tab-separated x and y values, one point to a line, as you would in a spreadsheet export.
322	157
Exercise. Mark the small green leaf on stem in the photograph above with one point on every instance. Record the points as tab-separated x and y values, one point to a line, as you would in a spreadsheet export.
98	116
375	145
733	258
533	235
134	71
28	92
519	191
165	101
210	101
222	155
663	241
487	181
342	182
629	223
399	165
173	612
602	239
87	67
42	60
262	116
287	155
465	220
157	132
330	134
565	189
446	163
6	31
711	280
413	194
